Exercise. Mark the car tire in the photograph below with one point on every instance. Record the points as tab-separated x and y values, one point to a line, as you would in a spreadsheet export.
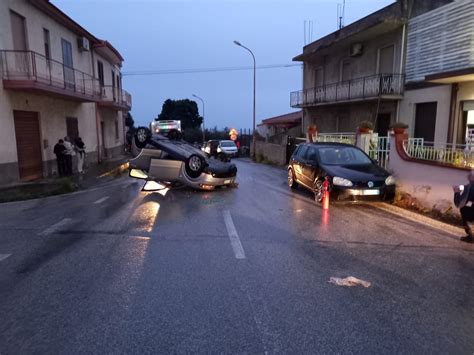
291	179
142	137
194	166
318	190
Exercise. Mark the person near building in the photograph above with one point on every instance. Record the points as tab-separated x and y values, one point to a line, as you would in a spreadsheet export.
69	152
81	154
463	199
59	151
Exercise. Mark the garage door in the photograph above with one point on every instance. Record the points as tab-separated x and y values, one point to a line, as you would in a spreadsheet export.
28	144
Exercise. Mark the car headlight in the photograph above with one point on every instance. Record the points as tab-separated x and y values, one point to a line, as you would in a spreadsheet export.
390	180
219	149
339	181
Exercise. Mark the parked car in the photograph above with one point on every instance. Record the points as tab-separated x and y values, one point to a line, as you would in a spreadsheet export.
174	160
221	149
228	147
351	173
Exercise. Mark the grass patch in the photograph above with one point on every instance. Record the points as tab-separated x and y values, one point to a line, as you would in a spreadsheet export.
31	191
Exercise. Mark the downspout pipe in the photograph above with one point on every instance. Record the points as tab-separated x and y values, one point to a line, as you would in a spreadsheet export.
401	69
97	117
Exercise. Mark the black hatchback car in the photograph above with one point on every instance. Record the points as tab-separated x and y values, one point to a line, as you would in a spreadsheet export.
352	174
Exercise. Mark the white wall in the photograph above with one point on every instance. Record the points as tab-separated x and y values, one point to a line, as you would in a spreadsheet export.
440	94
430	185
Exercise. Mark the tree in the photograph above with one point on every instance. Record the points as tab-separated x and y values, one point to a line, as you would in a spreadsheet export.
129	121
185	111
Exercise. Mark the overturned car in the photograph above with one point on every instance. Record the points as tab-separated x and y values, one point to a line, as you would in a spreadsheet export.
164	159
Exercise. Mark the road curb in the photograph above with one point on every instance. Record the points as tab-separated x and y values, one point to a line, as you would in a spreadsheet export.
416	217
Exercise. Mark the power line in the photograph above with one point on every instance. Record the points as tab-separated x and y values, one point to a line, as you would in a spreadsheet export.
205	70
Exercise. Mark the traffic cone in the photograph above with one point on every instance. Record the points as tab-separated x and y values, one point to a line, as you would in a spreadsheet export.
325	194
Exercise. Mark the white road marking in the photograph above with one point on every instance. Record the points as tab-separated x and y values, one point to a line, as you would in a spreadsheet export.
101	200
55	227
233	236
4	256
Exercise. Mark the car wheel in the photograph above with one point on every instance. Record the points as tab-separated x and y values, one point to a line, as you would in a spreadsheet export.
194	166
291	179
318	191
142	137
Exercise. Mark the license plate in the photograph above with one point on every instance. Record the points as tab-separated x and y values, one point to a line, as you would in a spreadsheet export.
371	192
226	182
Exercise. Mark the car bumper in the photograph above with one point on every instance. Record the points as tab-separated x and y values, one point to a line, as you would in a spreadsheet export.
385	193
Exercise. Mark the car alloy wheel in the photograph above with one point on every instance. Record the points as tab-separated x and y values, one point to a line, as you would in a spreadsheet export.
195	163
318	191
142	136
291	179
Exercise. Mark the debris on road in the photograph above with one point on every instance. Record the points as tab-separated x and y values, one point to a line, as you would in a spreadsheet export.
348	281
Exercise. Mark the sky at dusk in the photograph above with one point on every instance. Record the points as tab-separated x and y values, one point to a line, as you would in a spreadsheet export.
157	35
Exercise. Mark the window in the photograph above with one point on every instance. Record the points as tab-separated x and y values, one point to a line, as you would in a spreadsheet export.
18	32
425	120
318	77
343	156
302	152
47	45
116	129
100	72
312	155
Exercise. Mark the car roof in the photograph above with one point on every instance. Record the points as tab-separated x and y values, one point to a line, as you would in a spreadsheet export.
329	144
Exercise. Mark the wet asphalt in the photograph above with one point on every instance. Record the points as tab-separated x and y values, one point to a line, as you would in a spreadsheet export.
241	270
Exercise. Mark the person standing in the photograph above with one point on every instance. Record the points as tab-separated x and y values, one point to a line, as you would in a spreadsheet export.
69	152
463	199
59	151
81	154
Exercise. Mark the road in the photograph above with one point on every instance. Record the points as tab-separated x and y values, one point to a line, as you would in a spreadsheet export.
117	270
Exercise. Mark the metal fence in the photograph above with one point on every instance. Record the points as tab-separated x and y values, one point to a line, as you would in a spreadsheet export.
347	138
459	155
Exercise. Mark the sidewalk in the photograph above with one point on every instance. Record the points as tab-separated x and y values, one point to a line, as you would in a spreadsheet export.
94	175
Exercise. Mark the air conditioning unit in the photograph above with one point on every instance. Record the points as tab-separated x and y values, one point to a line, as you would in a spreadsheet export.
83	44
356	50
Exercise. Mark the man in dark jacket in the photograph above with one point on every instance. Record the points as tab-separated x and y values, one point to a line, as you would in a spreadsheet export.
59	150
463	199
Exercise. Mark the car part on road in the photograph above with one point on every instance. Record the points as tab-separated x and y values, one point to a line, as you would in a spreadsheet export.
350	281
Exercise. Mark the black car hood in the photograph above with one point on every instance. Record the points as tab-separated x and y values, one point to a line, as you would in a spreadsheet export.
361	173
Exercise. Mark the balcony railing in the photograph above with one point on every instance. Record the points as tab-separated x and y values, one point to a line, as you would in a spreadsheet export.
32	71
381	85
115	97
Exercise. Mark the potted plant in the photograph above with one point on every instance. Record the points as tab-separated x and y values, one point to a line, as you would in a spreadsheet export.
365	127
399	127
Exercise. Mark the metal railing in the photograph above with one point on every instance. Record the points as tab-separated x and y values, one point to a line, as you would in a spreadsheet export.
31	66
347	138
114	94
360	88
458	155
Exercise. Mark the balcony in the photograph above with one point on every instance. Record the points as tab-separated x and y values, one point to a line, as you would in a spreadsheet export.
384	86
30	71
115	98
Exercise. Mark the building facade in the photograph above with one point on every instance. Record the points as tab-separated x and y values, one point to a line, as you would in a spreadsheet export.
57	79
358	72
439	98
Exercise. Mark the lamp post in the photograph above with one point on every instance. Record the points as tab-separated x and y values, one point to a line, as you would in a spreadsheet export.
254	137
203	130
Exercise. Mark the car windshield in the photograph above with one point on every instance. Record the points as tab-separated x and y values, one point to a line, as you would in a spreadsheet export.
342	156
227	144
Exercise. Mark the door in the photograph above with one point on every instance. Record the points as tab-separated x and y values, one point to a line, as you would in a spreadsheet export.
28	144
345	70
425	120
114	94
68	65
383	124
386	60
299	163
311	167
72	128
102	134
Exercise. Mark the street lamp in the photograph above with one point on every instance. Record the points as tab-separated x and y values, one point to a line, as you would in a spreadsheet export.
254	138
203	130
